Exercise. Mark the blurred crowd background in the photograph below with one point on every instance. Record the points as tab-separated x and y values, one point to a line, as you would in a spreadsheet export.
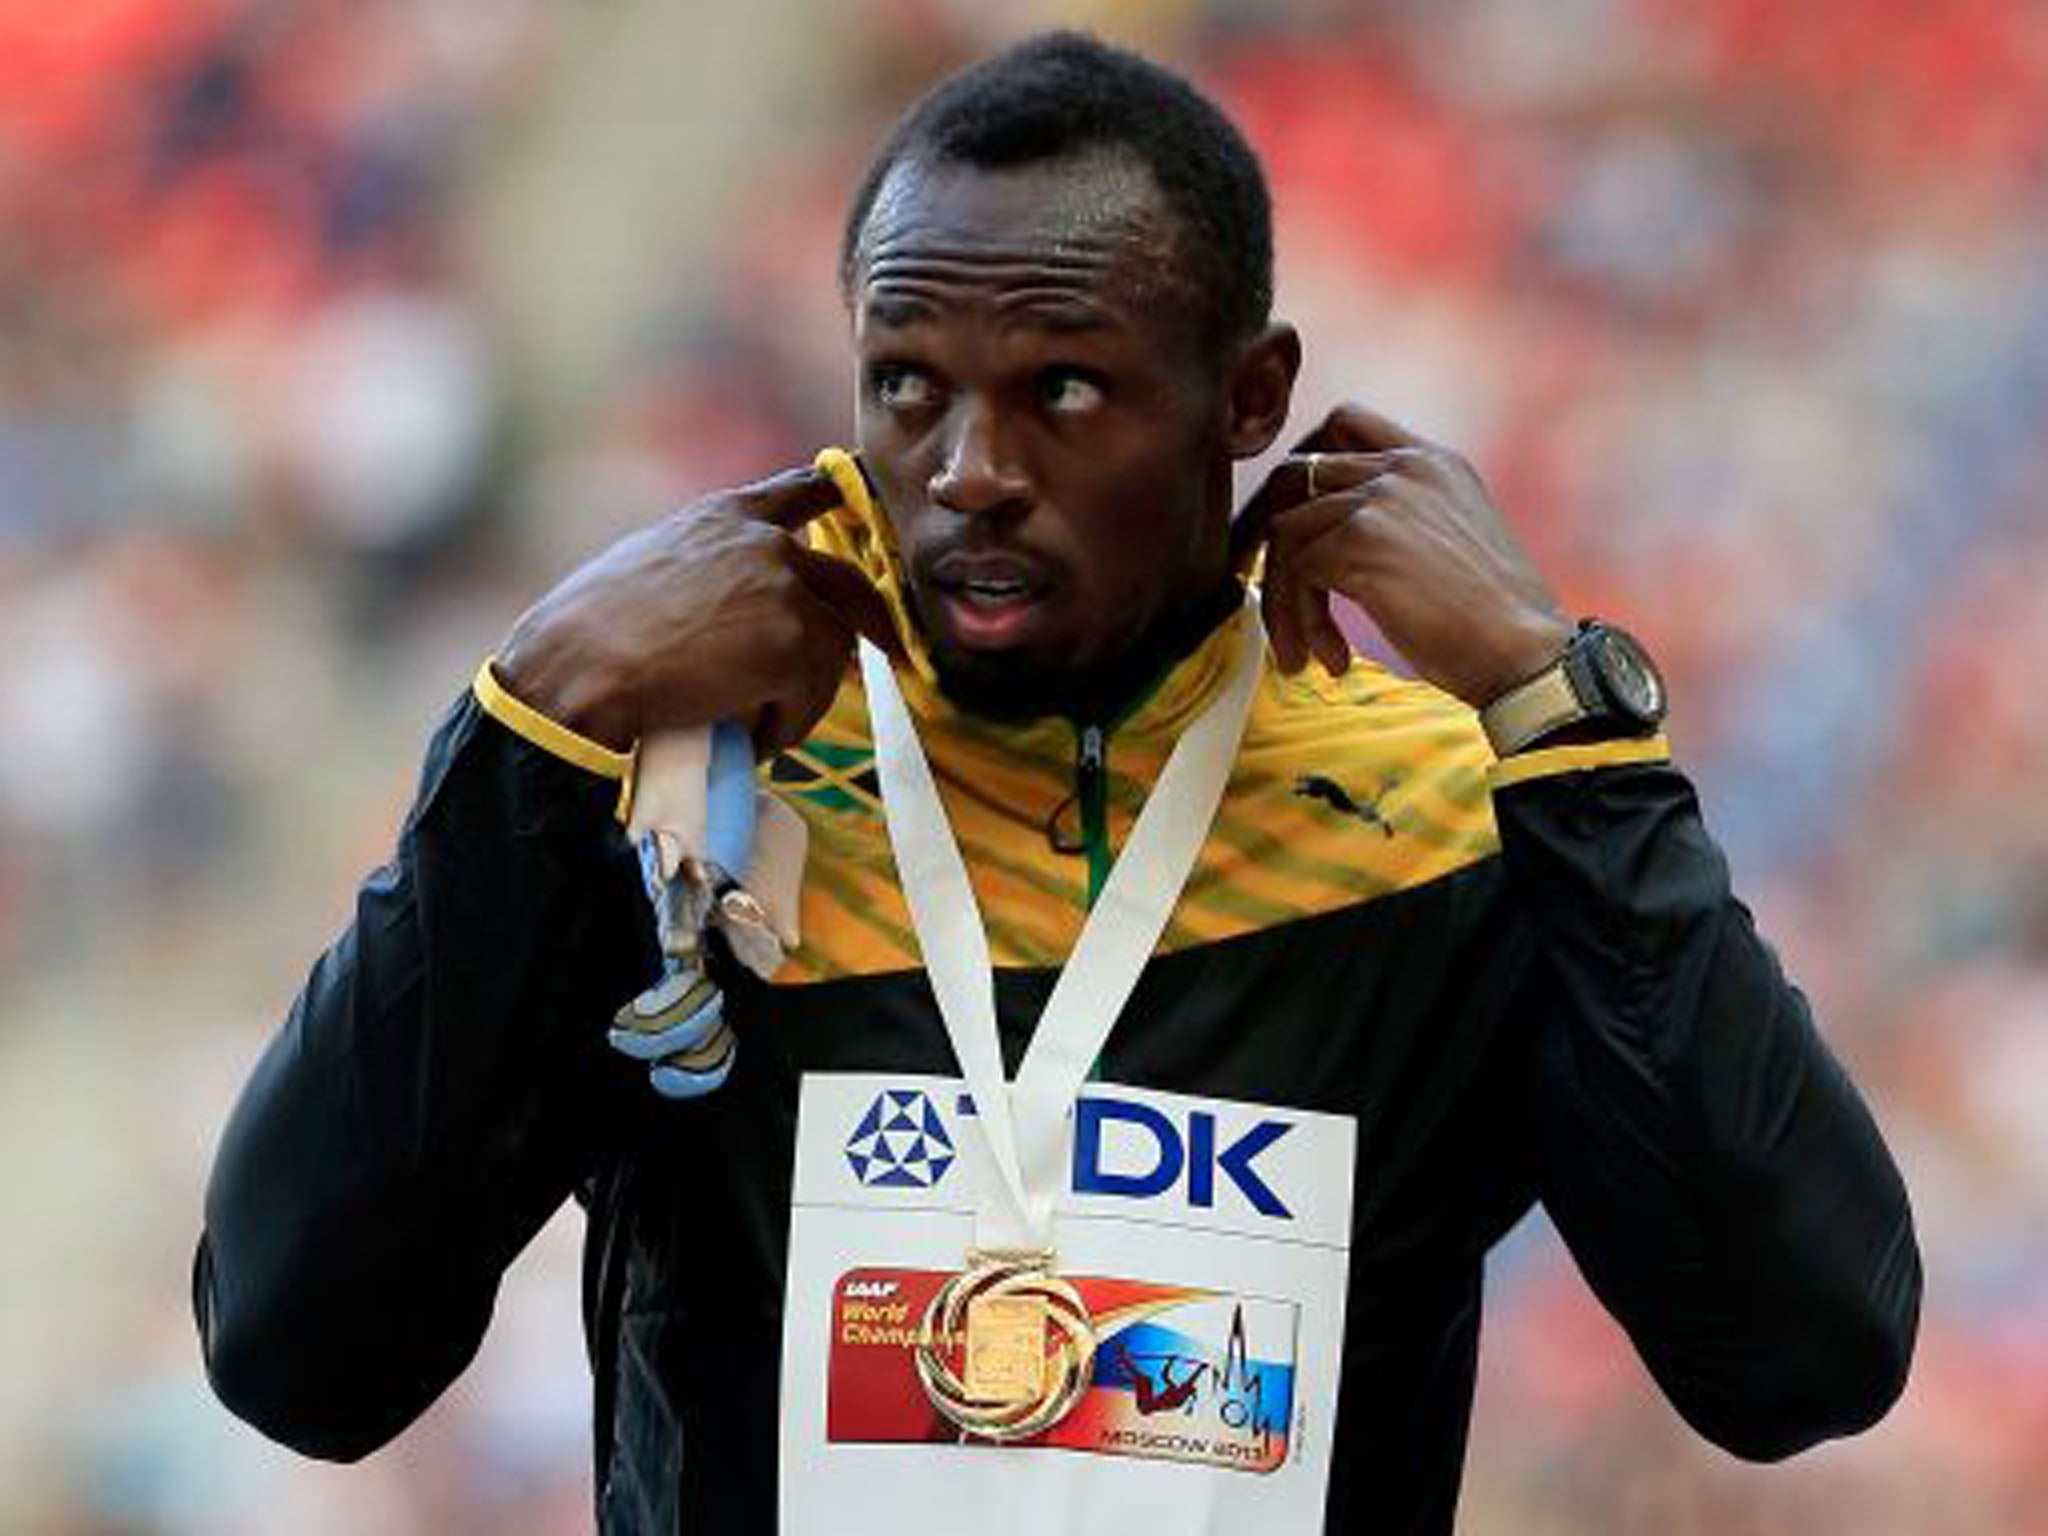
332	330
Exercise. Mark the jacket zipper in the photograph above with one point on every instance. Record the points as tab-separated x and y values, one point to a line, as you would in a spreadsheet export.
1091	785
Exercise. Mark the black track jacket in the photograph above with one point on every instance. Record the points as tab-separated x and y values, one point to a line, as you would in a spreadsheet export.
1526	980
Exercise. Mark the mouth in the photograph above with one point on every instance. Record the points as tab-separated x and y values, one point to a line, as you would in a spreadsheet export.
990	599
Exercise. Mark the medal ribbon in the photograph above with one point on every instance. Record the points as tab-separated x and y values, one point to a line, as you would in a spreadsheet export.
1025	1123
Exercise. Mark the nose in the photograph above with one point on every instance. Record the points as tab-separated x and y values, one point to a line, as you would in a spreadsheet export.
979	472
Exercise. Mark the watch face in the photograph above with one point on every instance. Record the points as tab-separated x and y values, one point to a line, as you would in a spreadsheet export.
1630	677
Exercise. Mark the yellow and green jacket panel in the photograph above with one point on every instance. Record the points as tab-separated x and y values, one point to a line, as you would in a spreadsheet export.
1409	760
1345	789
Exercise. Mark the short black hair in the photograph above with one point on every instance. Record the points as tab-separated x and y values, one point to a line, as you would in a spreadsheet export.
1063	93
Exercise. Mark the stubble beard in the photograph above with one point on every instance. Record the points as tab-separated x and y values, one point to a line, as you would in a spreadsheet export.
1013	687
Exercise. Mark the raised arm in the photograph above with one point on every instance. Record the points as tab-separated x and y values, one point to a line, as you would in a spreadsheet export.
1709	1164
443	1081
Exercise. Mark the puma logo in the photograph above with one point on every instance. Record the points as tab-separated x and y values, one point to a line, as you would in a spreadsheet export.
1315	786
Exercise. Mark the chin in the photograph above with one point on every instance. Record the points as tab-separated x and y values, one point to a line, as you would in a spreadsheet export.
1006	685
1083	676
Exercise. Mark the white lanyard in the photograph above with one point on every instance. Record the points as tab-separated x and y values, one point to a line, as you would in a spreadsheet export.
1025	1122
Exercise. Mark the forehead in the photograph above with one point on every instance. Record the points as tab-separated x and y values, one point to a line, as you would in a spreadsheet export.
1092	234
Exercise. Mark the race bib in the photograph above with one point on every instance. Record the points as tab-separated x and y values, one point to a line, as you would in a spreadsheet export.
1210	1241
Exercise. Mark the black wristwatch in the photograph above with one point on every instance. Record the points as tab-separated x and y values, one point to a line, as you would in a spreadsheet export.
1604	678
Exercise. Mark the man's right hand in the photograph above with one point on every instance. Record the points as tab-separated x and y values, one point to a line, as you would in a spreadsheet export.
717	612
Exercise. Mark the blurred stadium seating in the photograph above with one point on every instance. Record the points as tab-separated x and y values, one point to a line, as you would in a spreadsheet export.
330	332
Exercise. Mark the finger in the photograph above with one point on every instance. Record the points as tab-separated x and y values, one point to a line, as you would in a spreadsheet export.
1295	609
1290	606
845	589
1276	606
1307	563
807	691
1298	528
1315	632
790	499
1324	475
1325	638
1296	481
1332	559
1354	428
1282	488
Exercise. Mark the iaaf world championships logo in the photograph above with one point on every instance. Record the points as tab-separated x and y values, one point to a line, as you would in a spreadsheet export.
900	1142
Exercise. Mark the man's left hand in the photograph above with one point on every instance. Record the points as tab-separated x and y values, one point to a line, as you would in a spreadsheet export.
1405	529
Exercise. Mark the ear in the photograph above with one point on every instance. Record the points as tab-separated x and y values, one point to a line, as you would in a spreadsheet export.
1260	386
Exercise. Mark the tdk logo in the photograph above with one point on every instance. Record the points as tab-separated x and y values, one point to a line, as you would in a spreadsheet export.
1122	1147
900	1143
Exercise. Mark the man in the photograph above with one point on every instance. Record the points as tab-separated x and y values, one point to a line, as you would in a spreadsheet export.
1442	949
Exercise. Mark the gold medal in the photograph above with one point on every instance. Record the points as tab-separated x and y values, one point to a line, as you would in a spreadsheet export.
998	1313
1005	1349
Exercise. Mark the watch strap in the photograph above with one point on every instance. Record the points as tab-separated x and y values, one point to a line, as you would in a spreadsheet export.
1533	709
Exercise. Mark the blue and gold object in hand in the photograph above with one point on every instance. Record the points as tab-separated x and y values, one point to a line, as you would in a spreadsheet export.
715	853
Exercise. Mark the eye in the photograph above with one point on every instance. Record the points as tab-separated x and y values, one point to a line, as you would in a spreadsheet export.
900	387
1070	391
